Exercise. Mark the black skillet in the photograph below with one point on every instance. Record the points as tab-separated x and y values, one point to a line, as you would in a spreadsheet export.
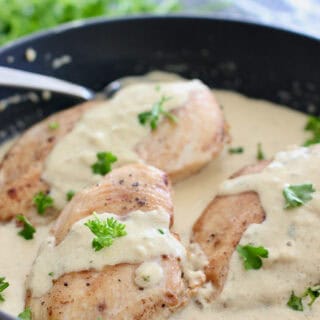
258	61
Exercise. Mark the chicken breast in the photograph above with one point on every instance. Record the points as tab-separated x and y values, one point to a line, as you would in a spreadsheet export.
220	227
111	293
180	150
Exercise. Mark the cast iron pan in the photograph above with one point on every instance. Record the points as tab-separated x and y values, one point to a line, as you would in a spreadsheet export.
258	61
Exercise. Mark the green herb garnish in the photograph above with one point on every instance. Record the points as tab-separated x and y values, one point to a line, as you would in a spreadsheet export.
260	153
70	194
236	150
146	278
103	164
26	314
51	274
297	195
53	125
252	256
105	231
28	229
3	286
161	231
295	302
42	202
313	293
152	117
313	126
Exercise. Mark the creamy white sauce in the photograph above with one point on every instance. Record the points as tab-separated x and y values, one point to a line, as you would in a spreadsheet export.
194	266
17	256
251	121
148	274
112	126
142	243
291	236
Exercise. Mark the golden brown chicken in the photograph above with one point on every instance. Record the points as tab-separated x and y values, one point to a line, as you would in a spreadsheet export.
111	293
220	227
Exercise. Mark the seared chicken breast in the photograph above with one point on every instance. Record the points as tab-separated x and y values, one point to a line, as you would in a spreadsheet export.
220	227
111	293
178	149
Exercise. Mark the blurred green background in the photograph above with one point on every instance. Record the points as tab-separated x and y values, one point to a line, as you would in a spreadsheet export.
20	17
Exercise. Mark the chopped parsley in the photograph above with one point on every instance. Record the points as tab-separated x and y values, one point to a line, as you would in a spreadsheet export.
313	126
313	293
105	231
3	285
70	194
103	164
260	153
295	302
161	231
252	256
146	278
53	125
26	314
42	202
28	229
152	117
236	150
51	274
297	195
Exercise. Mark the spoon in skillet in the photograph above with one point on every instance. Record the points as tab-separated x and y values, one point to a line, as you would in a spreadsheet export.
10	77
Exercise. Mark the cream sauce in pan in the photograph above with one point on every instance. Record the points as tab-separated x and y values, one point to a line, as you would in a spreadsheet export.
252	121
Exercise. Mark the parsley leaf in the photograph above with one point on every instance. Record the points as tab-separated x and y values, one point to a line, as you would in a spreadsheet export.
297	195
152	117
313	125
103	165
161	231
236	150
51	274
28	229
252	256
42	202
260	153
105	231
3	286
53	125
25	315
313	293
70	194
146	278
295	302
